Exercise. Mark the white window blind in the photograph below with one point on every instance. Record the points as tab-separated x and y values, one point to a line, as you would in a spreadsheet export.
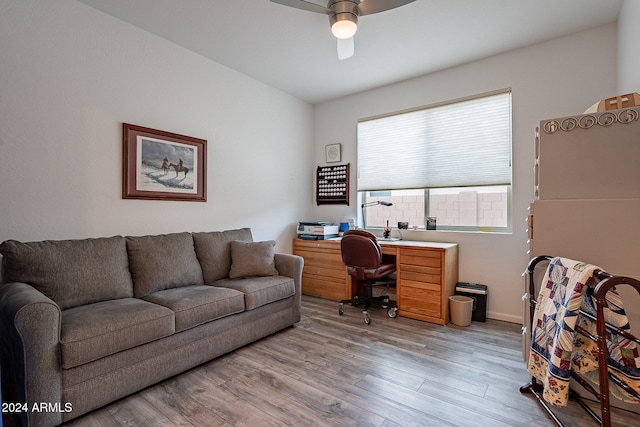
466	143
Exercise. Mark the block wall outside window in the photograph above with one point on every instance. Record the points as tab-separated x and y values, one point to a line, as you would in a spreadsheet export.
471	209
483	207
408	206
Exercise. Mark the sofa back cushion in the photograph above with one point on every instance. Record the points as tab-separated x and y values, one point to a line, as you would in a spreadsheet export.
214	251
164	261
71	272
252	259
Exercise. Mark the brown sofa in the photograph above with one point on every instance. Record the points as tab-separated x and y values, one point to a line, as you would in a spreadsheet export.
86	322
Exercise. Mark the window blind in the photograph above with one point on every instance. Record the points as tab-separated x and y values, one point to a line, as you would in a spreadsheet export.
466	143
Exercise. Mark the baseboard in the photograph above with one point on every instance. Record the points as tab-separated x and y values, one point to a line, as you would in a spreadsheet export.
505	317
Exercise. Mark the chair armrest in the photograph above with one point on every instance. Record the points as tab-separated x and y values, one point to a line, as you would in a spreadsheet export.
291	266
30	337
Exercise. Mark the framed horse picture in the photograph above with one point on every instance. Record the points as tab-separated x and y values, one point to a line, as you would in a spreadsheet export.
159	165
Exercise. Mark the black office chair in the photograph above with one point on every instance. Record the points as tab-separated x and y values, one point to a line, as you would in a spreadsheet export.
362	255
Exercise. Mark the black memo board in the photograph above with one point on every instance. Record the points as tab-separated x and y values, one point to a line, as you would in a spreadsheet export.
332	185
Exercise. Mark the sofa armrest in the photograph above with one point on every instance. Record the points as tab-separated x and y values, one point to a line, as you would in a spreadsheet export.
291	266
30	337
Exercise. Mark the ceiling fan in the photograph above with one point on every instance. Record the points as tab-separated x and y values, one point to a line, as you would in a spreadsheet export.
343	16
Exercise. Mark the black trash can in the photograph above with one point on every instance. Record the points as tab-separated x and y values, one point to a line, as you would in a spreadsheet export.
479	294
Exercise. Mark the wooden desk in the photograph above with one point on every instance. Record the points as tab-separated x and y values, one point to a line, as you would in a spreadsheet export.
427	274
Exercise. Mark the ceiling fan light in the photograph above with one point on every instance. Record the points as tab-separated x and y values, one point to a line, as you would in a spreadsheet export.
344	25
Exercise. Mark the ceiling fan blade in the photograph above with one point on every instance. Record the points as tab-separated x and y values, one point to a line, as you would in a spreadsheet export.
345	48
367	7
304	5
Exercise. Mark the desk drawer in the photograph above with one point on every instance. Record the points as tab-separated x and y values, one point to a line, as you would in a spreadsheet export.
411	284
421	301
388	250
322	260
421	274
324	287
316	245
318	253
420	257
325	271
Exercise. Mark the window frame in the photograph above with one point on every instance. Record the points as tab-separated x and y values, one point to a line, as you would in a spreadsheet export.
508	229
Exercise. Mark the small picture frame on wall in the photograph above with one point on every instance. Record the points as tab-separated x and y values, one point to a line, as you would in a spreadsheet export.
159	165
333	153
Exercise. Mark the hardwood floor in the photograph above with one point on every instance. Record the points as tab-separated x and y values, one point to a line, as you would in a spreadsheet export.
331	370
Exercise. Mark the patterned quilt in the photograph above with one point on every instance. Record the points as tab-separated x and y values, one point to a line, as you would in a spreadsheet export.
556	349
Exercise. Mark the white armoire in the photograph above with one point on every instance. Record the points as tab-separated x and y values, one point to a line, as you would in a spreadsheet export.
587	196
587	190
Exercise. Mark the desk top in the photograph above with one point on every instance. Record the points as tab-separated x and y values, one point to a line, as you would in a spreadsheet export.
409	243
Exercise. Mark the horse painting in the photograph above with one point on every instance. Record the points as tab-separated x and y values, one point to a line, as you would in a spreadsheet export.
180	168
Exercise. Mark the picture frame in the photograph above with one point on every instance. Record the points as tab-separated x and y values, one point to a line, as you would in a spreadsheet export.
159	165
431	223
333	153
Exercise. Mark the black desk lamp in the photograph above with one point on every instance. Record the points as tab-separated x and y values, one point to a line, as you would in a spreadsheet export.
367	204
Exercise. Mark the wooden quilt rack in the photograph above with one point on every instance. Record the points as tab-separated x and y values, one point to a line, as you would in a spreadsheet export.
606	282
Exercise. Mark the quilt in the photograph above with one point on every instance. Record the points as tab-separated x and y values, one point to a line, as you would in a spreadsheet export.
556	348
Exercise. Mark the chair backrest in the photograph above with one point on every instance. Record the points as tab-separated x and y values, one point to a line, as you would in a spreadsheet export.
360	249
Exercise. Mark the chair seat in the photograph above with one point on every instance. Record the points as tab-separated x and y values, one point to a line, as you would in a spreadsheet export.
371	273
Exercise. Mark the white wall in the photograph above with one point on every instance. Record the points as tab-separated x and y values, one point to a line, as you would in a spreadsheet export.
628	42
557	78
71	75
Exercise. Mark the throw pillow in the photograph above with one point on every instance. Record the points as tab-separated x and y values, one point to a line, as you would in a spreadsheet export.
252	259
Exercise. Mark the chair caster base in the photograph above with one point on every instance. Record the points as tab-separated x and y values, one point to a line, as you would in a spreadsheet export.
367	317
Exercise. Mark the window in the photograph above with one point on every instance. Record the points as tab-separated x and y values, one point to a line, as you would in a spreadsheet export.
450	161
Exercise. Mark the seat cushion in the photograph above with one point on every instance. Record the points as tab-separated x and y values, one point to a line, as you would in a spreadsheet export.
163	261
214	251
195	305
93	331
252	259
71	272
380	272
259	291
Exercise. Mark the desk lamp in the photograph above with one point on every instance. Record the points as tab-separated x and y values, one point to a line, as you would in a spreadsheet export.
367	204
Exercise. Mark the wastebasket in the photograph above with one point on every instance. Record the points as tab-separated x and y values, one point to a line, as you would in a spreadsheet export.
461	308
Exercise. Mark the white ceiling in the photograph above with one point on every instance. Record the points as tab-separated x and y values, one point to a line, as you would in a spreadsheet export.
293	50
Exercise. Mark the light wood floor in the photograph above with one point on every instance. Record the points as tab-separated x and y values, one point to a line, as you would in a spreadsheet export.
330	370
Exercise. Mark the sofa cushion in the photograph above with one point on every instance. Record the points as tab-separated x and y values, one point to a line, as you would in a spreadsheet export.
93	331
164	261
195	305
259	291
252	259
214	251
71	272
